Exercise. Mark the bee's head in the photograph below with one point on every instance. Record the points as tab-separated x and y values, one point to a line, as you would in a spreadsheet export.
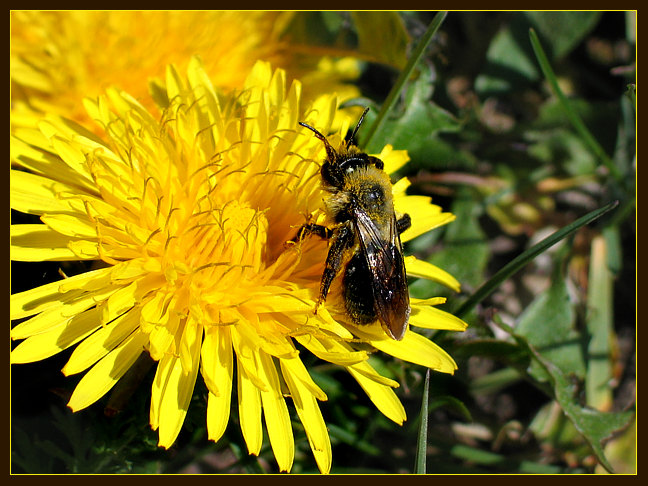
338	165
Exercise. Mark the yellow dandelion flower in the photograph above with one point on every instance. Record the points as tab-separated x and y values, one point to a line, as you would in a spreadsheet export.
187	214
55	62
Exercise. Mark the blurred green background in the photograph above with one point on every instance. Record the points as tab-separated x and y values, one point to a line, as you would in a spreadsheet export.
546	378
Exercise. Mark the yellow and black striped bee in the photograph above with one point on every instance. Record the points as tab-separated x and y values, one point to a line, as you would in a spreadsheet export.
364	237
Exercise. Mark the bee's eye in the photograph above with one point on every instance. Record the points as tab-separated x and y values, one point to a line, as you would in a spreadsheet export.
375	195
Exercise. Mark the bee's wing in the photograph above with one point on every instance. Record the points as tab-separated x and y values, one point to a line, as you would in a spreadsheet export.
384	256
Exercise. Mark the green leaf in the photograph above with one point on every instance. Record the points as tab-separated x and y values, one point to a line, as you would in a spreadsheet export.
548	324
595	426
510	64
563	31
509	60
414	128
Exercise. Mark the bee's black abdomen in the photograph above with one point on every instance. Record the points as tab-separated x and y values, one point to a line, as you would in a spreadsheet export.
359	298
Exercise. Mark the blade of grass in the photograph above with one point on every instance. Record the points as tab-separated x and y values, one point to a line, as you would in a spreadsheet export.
600	327
572	116
405	74
421	445
521	260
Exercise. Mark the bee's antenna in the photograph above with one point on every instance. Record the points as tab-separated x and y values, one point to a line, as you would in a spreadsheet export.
355	130
330	151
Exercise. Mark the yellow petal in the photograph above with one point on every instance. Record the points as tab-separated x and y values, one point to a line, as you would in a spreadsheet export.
399	188
429	317
276	414
75	226
310	416
101	343
135	268
249	407
329	324
162	337
218	373
331	351
25	154
29	76
190	341
85	250
425	216
36	242
298	371
49	343
381	395
393	159
259	76
218	414
33	301
366	370
103	376
119	302
279	300
423	269
178	389
34	194
162	373
72	156
174	84
156	308
246	348
419	350
58	316
198	79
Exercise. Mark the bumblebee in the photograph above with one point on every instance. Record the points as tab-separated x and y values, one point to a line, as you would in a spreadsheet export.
364	237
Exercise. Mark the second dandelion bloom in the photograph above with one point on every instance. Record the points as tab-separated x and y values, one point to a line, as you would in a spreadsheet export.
187	214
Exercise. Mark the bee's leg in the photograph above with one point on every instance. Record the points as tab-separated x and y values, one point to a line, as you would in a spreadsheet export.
316	229
341	240
404	223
